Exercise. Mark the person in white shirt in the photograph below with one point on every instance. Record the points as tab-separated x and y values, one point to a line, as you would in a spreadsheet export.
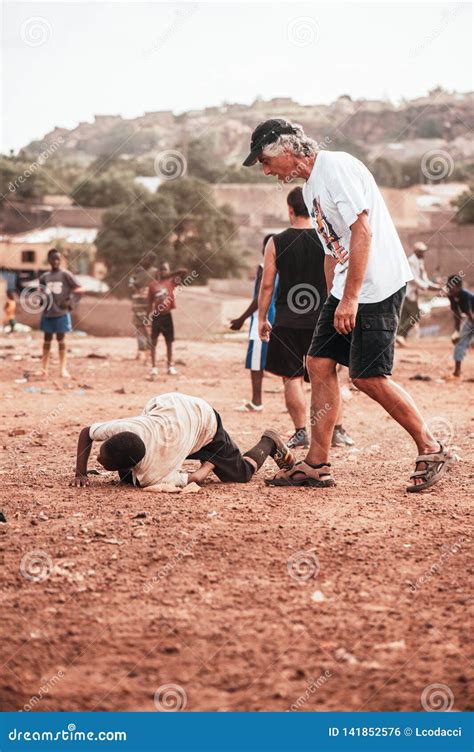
367	271
150	448
410	313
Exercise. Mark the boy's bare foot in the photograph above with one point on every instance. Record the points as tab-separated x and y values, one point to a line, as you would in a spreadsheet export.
65	374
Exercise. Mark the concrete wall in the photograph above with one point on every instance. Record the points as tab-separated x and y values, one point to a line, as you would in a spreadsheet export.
199	314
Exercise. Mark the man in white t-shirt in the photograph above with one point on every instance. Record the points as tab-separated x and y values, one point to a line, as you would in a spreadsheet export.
367	271
150	448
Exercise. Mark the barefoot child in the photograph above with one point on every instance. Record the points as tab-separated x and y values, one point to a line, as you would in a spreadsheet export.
150	448
57	287
161	302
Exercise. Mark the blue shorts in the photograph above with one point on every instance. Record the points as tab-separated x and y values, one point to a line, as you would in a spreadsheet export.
56	324
467	335
256	355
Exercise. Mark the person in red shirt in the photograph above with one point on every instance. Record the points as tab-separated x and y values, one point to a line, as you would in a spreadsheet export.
161	302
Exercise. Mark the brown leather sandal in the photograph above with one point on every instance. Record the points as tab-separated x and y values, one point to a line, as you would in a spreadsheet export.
302	475
431	467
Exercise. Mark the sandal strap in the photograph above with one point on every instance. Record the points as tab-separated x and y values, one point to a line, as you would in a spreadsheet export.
439	456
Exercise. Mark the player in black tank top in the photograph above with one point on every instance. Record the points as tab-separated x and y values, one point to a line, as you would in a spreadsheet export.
297	256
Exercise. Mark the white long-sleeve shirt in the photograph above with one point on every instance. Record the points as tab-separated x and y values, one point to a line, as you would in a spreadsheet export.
420	280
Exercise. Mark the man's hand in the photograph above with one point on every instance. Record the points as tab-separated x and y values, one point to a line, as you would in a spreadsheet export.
264	330
345	316
455	337
80	481
236	324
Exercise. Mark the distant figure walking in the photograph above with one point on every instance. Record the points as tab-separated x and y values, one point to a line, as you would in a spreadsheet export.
410	313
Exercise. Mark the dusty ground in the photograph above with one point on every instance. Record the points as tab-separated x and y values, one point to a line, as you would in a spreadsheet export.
101	608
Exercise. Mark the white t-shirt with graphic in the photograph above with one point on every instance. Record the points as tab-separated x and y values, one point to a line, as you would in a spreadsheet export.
340	188
172	426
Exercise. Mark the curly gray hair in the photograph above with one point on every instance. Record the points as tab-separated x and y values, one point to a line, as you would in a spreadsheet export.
296	143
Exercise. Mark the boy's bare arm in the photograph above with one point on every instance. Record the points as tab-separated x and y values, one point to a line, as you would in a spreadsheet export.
200	475
84	446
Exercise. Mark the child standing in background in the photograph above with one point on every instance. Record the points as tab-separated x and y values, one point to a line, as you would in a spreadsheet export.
57	286
257	350
10	311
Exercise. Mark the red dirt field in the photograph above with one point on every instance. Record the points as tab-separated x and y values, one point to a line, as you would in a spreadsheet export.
244	597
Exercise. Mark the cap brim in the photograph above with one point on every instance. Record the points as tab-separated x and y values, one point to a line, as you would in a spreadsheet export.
252	158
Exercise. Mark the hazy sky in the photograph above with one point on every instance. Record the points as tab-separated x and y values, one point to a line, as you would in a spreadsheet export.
66	61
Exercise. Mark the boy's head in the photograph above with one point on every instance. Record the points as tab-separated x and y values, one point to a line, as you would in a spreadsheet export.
296	204
420	249
54	258
122	451
148	260
164	268
454	284
265	240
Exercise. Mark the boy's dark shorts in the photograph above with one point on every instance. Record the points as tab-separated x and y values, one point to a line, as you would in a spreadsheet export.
162	324
286	355
225	455
369	349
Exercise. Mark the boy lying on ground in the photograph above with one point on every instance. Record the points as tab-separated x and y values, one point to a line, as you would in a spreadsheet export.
151	448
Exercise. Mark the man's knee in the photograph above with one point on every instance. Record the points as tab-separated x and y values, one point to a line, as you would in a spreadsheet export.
320	368
369	385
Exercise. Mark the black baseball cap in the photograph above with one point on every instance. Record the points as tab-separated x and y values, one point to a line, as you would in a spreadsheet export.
266	133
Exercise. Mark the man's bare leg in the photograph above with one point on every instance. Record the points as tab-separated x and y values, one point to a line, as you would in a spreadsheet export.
295	401
401	406
325	407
